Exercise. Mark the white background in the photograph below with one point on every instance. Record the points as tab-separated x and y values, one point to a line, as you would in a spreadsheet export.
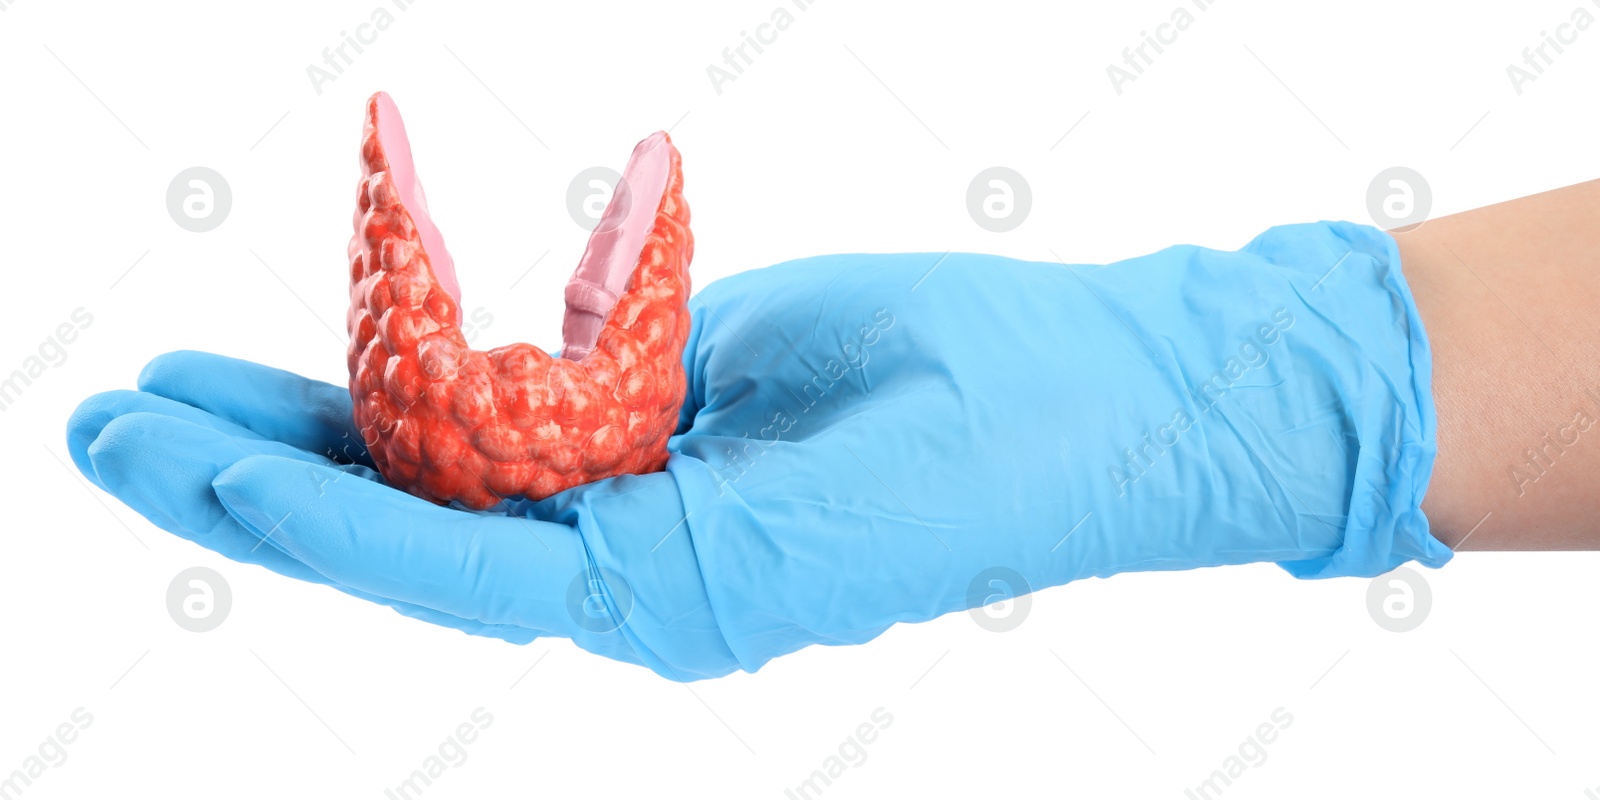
857	130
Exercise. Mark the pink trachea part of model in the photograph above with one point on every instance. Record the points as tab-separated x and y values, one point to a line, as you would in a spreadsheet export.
614	246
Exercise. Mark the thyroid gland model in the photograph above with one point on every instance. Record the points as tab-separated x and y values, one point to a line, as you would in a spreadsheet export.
449	423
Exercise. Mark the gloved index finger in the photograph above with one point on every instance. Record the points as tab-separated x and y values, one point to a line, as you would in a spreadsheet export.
304	413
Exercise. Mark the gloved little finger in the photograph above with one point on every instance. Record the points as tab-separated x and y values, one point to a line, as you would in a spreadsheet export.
371	537
308	414
98	410
162	467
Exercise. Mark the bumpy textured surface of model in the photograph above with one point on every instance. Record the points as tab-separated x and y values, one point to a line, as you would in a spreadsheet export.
449	423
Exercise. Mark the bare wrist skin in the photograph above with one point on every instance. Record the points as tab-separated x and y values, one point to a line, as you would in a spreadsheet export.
1509	295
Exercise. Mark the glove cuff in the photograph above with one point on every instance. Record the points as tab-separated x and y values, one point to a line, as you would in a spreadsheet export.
1395	429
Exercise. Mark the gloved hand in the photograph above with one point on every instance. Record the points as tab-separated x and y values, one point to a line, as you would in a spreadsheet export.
868	439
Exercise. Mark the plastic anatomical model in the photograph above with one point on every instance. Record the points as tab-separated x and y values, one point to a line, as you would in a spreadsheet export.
448	423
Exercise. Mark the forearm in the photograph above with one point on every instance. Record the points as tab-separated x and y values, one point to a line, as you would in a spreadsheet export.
1510	297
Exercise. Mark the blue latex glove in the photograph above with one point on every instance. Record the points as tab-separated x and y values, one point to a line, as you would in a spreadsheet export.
868	439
